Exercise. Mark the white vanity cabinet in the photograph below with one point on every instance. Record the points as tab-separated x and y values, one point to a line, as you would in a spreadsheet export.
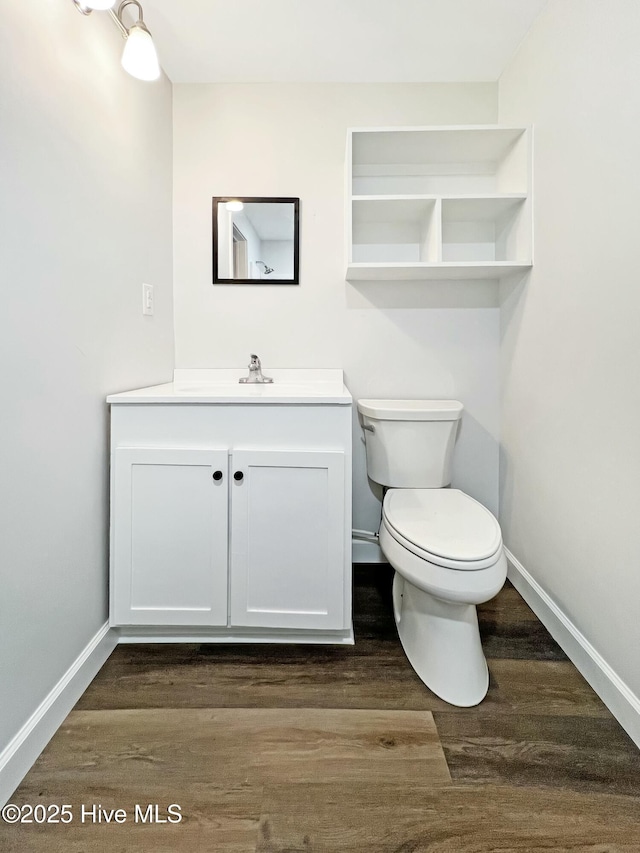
231	511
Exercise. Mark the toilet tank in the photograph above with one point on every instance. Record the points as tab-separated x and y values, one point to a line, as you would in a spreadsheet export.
409	443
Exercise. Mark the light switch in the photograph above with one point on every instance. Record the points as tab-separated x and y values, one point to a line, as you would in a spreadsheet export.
147	299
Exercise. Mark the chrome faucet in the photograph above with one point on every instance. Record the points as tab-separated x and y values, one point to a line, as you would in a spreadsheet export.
255	376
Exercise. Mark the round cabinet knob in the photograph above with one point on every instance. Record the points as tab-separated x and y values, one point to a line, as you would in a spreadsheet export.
217	475
238	476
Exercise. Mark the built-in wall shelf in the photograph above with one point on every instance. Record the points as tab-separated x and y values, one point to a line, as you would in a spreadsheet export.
438	203
429	272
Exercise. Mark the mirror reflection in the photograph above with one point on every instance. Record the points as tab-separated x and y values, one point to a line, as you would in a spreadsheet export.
255	240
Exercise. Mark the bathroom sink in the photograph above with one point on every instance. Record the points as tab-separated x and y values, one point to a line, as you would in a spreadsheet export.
290	386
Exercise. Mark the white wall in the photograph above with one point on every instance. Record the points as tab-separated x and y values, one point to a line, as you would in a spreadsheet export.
570	466
393	340
85	170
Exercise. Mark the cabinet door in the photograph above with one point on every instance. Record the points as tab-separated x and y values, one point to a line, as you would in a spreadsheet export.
170	534
287	539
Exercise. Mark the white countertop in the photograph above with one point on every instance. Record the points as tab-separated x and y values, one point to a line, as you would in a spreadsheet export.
289	387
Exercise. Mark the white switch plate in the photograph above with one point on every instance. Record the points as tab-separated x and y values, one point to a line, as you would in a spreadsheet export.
147	299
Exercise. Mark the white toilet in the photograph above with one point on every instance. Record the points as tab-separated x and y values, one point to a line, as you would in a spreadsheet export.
446	547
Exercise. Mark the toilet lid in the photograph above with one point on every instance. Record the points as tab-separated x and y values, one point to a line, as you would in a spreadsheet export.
445	524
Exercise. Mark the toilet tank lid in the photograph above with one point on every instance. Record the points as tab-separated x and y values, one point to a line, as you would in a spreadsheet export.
411	410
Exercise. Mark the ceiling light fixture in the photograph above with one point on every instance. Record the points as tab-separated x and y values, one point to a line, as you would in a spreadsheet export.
139	57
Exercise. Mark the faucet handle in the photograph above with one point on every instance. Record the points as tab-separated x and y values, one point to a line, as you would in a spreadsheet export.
255	361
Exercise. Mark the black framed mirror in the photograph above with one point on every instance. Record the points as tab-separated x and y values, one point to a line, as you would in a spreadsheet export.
255	240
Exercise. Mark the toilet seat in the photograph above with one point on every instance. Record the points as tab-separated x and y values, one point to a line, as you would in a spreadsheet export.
445	527
465	587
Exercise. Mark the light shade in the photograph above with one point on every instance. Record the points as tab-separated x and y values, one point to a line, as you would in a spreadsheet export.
98	5
139	57
235	206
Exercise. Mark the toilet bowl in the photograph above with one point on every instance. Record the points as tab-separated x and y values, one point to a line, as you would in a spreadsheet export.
441	574
446	548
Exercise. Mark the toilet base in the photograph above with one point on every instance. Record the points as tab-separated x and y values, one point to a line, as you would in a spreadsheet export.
442	642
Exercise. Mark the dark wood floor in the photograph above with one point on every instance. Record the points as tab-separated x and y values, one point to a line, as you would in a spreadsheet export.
302	749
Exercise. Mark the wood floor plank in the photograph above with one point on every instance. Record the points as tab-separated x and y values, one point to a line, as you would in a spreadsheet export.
338	745
573	753
550	688
224	821
256	744
256	676
373	674
418	819
213	763
507	608
518	640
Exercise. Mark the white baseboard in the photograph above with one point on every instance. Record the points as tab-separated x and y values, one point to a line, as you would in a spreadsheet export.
616	695
366	552
21	752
